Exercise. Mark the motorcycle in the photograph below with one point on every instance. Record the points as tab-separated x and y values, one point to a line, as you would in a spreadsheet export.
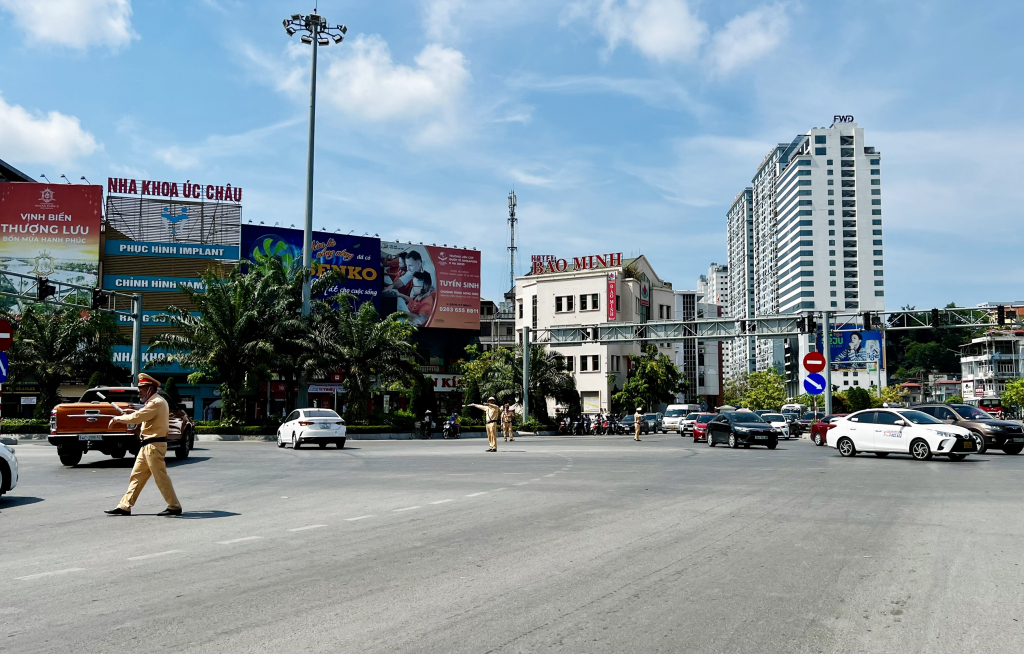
565	426
450	430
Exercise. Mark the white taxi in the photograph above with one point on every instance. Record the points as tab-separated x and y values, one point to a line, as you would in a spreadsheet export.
778	421
303	426
8	467
903	431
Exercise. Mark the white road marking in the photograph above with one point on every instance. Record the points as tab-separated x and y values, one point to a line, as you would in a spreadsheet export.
498	489
362	517
408	508
307	527
522	483
442	501
153	556
49	574
238	540
537	479
476	494
551	475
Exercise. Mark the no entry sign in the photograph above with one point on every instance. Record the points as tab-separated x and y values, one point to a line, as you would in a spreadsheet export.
6	335
814	362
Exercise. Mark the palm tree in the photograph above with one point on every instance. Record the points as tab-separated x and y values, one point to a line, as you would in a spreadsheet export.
369	351
55	344
503	378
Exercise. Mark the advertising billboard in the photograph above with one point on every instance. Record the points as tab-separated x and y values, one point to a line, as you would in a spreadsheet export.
163	222
358	257
437	286
51	230
854	348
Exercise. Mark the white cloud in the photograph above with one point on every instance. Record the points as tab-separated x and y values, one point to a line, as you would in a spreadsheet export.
52	139
437	18
285	75
664	30
220	146
76	24
367	84
746	38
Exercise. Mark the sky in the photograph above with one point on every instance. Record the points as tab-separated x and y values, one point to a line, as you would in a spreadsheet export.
624	125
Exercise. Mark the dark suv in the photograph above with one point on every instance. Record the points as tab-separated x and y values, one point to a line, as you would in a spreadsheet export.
987	431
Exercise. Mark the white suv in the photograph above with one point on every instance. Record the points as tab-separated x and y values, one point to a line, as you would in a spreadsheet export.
320	426
8	469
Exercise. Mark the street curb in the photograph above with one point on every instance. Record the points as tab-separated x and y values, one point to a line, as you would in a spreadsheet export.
392	436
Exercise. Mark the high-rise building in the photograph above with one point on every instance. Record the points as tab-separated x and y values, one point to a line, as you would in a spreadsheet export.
714	286
741	280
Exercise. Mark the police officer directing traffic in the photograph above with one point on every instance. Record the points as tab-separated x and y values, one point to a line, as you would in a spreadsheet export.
153	417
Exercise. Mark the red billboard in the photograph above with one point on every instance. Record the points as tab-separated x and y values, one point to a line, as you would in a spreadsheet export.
436	286
51	230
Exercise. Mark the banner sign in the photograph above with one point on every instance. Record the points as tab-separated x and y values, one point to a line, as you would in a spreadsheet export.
225	193
542	264
437	286
172	250
853	348
358	257
149	318
325	388
51	231
444	383
611	297
150	283
122	357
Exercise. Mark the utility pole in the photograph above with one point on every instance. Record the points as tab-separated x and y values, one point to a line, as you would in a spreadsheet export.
317	33
137	337
827	353
512	220
526	374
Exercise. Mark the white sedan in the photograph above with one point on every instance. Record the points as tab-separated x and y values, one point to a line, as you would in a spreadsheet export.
8	469
320	426
778	421
904	431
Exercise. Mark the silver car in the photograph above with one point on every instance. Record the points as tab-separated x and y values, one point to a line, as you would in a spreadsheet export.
8	468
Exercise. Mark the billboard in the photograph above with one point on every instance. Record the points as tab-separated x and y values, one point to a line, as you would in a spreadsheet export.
51	230
149	220
358	257
437	286
854	348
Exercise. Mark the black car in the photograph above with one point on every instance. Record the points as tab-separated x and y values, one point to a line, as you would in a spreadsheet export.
628	425
742	428
795	428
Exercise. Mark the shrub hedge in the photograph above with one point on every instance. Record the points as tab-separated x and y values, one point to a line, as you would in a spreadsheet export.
24	426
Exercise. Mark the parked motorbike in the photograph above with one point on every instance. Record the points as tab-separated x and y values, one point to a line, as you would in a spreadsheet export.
451	430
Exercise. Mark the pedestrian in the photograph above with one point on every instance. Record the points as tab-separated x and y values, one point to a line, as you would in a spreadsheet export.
428	424
638	417
506	423
492	412
153	417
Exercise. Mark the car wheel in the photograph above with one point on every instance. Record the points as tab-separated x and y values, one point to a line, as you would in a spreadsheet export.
711	441
4	478
341	444
817	439
846	447
920	450
69	456
957	457
323	446
119	452
881	455
296	443
732	441
184	448
773	444
1013	449
280	443
979	442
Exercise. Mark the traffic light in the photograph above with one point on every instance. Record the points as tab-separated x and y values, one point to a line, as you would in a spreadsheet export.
935	318
99	299
867	321
801	325
811	326
1001	315
45	289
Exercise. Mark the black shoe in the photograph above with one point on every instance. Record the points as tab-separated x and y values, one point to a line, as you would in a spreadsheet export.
119	511
170	512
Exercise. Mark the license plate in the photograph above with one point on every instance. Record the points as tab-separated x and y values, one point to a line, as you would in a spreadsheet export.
968	445
761	438
1018	440
90	437
324	426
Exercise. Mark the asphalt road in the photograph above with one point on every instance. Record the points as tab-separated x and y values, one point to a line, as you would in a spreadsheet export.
563	544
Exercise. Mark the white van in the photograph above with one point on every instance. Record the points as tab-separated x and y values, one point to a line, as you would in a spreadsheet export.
675	413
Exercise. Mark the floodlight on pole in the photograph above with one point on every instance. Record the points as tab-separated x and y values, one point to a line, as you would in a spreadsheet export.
316	32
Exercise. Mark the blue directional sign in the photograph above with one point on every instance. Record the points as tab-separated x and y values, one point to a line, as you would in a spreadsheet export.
3	367
814	384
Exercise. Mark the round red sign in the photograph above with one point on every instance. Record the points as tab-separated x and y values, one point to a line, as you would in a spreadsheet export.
6	335
814	362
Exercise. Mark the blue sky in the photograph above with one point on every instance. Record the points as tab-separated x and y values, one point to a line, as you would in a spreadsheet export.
625	125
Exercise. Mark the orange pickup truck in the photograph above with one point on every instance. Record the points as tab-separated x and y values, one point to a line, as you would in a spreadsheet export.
77	427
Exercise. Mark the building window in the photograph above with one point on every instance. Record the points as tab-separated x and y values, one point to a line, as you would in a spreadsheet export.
831	203
616	303
520	310
878	262
831	182
832	241
595	363
835	304
875	171
876	212
876	232
831	212
583	363
876	182
879	293
876	221
509	330
876	202
829	162
876	191
831	192
877	253
819	150
879	282
875	162
558	304
570	363
876	242
878	273
533	316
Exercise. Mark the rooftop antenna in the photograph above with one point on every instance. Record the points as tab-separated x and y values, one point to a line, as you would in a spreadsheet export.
512	220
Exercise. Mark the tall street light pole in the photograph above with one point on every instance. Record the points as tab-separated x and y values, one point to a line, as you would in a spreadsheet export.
316	33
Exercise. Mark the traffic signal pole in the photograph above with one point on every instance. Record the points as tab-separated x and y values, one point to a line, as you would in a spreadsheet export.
827	353
526	374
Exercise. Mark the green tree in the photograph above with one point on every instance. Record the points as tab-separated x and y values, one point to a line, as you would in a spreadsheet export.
500	374
858	398
54	345
735	389
893	394
1013	395
652	379
767	390
956	399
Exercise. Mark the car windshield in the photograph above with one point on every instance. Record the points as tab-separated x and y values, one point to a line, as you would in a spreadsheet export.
745	416
627	419
705	419
971	413
920	418
650	416
773	417
674	413
808	416
129	395
690	416
320	413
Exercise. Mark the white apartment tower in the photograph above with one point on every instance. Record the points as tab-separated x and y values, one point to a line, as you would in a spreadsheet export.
741	279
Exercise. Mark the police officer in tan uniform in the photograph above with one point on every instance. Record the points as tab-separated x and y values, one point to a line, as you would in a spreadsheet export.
493	414
154	418
637	419
506	423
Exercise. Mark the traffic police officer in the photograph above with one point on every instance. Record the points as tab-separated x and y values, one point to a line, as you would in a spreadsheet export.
493	414
154	417
637	419
506	423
